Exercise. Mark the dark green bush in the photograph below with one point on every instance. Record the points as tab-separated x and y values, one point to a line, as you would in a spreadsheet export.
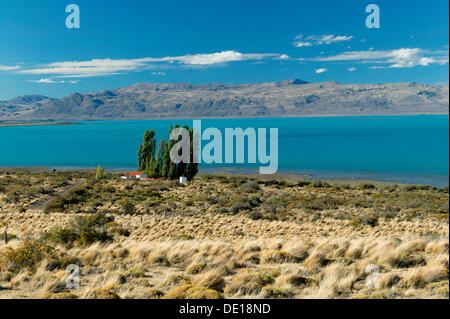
85	230
407	260
27	255
127	207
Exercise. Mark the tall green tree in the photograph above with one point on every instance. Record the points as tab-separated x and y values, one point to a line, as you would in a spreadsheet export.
156	163
165	160
182	167
172	173
192	168
146	150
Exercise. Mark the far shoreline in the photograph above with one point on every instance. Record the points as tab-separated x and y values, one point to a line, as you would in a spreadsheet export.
289	116
39	124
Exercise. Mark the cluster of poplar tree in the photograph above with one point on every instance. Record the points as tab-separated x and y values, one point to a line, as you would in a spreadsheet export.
155	160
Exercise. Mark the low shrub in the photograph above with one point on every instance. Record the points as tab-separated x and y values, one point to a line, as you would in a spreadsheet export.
250	187
195	268
101	293
27	256
190	292
280	257
319	184
366	186
156	294
275	293
408	260
132	273
85	230
127	207
367	219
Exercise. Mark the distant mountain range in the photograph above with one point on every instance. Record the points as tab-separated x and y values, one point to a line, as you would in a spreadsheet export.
273	99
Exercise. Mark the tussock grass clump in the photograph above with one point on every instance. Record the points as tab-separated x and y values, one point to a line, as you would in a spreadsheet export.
248	282
27	256
408	260
131	273
101	293
280	257
156	294
317	258
195	268
190	292
413	279
59	295
276	293
177	279
370	219
441	288
372	295
298	281
211	278
388	280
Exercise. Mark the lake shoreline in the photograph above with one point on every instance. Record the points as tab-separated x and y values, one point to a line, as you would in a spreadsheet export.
75	122
356	178
39	124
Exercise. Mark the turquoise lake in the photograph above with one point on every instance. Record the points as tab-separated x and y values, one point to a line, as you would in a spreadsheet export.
412	149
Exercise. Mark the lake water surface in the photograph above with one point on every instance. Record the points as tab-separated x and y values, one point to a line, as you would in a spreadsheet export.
413	149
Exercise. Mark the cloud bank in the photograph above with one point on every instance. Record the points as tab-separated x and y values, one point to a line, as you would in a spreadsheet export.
9	68
103	67
315	40
399	58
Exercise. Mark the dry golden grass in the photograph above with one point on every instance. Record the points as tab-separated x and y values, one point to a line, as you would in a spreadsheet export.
297	246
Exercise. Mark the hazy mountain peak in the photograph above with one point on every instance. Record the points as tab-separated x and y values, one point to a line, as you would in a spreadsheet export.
27	99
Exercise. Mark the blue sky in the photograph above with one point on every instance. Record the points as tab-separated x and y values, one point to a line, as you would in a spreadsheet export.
120	43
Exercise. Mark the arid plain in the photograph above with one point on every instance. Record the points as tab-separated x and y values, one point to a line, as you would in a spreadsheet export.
220	236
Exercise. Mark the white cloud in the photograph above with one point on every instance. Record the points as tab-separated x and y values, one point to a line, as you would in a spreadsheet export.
282	57
314	40
9	68
322	70
95	67
211	58
351	69
159	73
399	58
51	81
104	67
300	43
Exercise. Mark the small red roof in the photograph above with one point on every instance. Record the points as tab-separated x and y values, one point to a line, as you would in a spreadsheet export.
133	174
